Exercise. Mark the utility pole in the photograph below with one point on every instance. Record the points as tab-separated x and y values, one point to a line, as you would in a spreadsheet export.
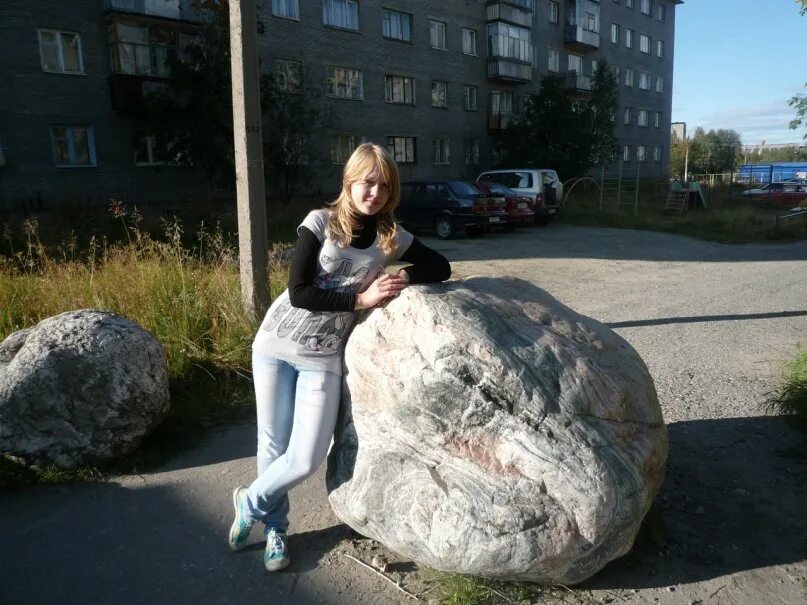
248	140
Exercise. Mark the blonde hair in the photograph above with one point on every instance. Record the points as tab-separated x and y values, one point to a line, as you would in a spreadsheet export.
344	220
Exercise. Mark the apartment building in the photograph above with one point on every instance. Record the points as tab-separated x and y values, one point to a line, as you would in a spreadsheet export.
433	81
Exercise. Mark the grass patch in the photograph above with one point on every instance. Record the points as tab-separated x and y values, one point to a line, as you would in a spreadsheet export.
187	296
726	221
457	589
790	399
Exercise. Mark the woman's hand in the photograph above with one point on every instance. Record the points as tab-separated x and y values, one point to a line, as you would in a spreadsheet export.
384	287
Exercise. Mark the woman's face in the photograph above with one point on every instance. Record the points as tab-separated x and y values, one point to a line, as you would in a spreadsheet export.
370	194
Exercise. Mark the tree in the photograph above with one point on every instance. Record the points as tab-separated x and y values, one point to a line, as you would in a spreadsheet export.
799	100
712	152
558	130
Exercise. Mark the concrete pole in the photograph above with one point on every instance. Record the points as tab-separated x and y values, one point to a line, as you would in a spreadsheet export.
252	244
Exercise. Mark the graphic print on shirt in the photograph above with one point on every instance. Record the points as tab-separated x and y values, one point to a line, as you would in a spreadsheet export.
320	332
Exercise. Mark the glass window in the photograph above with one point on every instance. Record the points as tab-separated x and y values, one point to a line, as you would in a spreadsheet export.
439	94
660	10
341	13
645	7
644	80
60	52
626	153
641	153
644	43
342	146
660	49
441	151
402	149
628	116
469	41
629	3
642	119
628	77
289	75
399	89
471	150
469	100
553	59
501	102
286	8
657	120
614	33
344	83
509	42
628	38
73	145
574	63
659	84
396	25
657	153
437	34
554	12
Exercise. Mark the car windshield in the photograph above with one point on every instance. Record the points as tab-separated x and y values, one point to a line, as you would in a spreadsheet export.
500	189
463	189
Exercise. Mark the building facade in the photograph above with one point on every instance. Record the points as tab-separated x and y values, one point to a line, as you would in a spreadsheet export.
433	81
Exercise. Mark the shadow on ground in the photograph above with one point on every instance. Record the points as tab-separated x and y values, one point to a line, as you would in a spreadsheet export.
733	500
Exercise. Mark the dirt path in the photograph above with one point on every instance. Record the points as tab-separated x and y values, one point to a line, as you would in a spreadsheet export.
713	323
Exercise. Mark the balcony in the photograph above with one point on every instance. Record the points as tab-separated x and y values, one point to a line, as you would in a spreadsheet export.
175	10
582	40
578	84
510	12
499	121
509	59
509	71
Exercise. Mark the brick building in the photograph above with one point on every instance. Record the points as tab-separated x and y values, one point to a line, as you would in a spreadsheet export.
433	81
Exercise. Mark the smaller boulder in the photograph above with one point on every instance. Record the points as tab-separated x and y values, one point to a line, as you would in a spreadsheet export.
81	387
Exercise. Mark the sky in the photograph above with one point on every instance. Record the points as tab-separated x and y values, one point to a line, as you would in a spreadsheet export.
737	62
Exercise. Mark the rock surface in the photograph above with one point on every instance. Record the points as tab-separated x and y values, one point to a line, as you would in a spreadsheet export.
80	387
488	429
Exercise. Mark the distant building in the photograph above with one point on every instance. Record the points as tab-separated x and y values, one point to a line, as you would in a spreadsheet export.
679	130
434	82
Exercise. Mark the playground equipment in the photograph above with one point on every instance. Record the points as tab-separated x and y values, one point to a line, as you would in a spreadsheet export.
682	196
588	184
621	191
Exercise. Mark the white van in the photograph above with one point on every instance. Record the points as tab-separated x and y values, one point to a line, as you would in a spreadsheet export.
531	182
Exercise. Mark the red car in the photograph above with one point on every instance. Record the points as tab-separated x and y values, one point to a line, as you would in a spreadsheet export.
781	194
520	209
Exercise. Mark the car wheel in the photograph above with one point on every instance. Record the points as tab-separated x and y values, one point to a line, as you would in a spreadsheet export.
443	228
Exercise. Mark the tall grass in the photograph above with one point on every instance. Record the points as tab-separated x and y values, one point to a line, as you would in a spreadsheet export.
790	398
188	297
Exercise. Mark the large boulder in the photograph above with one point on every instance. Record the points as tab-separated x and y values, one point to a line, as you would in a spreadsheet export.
80	387
488	429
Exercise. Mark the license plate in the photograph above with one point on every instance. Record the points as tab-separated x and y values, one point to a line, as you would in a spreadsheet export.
552	211
495	219
522	205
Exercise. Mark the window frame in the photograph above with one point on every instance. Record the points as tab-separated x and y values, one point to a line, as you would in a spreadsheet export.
643	113
627	117
630	36
554	10
660	49
471	150
335	148
406	82
657	119
644	76
392	141
60	52
330	89
444	104
629	79
466	97
283	3
659	84
657	153
437	152
626	153
644	43
643	4
616	34
661	11
641	153
297	87
552	52
92	160
475	38
347	4
439	24
385	12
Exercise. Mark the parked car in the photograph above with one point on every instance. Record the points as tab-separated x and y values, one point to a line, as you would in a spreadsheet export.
445	206
781	195
519	208
542	185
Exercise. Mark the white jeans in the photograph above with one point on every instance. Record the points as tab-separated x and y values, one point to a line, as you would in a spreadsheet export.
297	409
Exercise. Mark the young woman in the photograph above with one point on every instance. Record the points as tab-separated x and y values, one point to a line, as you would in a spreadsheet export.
337	269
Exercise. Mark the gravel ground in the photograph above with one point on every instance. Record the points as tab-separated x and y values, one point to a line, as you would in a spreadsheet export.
714	324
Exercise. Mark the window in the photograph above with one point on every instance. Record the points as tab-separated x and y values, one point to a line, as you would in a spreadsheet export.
440	94
575	63
628	38
629	3
437	34
553	59
341	13
628	116
60	52
657	153
643	117
629	77
471	149
659	84
149	153
397	26
72	146
469	98
440	151
660	11
657	120
626	153
399	89
644	80
289	75
614	33
554	12
644	6
469	41
660	49
644	43
402	149
594	66
509	42
141	49
501	102
641	153
342	145
286	8
344	83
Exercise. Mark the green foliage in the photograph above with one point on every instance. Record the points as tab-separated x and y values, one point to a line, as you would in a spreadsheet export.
792	153
712	152
799	101
458	589
791	397
557	130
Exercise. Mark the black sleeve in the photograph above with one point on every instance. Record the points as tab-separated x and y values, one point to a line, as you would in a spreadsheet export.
427	265
303	293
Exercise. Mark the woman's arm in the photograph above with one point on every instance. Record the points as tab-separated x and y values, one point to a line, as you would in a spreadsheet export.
427	265
303	293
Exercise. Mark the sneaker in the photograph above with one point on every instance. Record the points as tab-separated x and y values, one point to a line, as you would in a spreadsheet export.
239	532
277	555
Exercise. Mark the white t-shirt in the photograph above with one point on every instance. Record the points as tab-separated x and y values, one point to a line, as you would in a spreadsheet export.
317	338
